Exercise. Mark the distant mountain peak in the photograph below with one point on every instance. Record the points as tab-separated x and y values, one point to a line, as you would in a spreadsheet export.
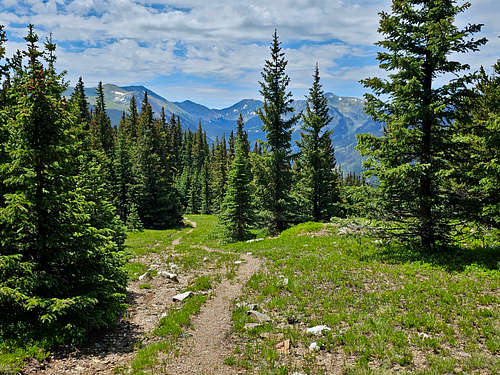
349	117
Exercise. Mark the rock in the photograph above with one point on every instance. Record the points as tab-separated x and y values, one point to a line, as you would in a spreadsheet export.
238	261
283	347
314	346
259	316
251	325
285	282
173	266
423	335
171	276
205	259
255	240
318	330
144	275
181	297
163	315
298	373
249	253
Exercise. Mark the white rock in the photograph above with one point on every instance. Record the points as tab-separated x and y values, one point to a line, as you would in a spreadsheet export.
205	259
238	261
173	266
171	276
249	253
181	297
255	240
163	315
318	330
298	373
314	346
285	281
423	335
144	275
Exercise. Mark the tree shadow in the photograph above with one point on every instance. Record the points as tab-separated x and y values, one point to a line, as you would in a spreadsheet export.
453	259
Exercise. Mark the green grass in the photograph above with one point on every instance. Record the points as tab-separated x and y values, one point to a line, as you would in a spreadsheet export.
13	355
149	241
388	309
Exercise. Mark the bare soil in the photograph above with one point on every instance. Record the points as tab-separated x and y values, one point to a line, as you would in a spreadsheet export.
204	351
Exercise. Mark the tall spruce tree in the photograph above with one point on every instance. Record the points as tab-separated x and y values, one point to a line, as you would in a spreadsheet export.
417	104
83	106
60	276
237	213
101	130
277	105
318	180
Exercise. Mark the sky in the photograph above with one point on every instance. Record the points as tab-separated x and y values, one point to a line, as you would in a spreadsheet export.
212	51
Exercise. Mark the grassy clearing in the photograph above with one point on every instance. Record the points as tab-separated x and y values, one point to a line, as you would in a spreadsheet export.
389	310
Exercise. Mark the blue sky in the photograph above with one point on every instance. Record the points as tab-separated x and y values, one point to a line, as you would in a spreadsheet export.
212	52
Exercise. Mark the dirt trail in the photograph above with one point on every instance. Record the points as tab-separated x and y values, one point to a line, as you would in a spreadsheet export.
207	347
203	352
177	241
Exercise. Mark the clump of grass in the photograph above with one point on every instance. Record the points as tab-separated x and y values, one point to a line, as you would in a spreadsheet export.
202	283
135	269
169	329
145	286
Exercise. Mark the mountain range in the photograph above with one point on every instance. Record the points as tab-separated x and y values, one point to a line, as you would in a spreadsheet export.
348	115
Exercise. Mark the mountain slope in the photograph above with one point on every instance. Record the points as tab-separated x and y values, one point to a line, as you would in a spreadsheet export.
348	115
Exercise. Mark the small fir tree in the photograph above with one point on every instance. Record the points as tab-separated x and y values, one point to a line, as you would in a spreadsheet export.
237	213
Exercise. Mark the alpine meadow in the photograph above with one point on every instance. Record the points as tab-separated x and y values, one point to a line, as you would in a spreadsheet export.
324	235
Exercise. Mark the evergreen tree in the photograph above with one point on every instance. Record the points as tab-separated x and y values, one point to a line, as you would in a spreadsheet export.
219	173
123	185
60	276
242	135
477	171
277	105
101	130
318	182
237	213
133	131
83	106
413	158
158	199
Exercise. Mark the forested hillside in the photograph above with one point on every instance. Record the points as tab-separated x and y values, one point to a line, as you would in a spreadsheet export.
348	118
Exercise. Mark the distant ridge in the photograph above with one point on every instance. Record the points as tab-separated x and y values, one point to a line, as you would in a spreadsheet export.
349	117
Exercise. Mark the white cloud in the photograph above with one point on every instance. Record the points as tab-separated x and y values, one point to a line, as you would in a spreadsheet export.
127	41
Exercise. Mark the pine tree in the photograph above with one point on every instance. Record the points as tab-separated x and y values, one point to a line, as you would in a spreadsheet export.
237	213
133	131
101	130
60	273
123	185
277	105
159	201
219	173
413	157
83	106
477	171
318	182
243	135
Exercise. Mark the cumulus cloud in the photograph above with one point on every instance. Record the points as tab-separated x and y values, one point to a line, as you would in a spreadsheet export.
224	42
